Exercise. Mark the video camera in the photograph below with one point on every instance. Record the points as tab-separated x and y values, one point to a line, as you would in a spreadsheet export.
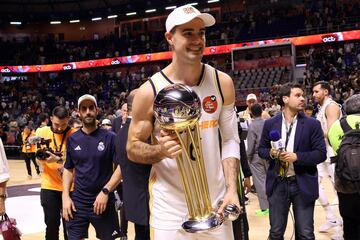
41	152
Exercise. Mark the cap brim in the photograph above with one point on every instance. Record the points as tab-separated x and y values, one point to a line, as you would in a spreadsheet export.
208	19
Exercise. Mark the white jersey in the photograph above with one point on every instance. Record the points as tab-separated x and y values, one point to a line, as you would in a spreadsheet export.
321	116
167	202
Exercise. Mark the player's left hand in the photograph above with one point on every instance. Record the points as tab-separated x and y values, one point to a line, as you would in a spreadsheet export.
52	157
231	197
100	203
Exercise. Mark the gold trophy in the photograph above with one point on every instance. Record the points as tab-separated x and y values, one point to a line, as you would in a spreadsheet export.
177	108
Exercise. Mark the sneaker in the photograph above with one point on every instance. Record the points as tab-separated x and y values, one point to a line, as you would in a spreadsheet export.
330	224
260	212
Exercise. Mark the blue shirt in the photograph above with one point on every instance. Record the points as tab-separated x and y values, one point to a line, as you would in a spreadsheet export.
92	158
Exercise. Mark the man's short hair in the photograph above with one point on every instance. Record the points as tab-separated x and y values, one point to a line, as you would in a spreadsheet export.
72	121
309	107
43	116
256	110
324	85
285	90
60	112
352	104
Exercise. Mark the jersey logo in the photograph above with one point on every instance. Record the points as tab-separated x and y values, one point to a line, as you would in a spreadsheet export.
78	148
114	233
101	146
209	104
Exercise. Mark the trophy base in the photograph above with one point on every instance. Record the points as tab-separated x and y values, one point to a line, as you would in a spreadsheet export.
195	226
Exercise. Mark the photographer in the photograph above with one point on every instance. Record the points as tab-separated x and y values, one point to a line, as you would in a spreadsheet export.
50	154
29	150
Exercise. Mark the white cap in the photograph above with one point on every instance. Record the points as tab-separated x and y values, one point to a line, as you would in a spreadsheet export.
106	122
186	13
251	96
86	97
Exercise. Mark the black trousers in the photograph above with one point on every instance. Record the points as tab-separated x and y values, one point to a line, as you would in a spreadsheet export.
51	201
31	157
349	206
142	232
123	221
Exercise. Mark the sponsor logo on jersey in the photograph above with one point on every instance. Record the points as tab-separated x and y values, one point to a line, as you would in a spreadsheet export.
210	104
101	146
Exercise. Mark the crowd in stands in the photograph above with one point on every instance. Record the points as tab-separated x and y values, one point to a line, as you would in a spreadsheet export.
259	19
23	101
339	64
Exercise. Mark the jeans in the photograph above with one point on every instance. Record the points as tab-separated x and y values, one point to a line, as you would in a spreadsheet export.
51	201
349	206
287	192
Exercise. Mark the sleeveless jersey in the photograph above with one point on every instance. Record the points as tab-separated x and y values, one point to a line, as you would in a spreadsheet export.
321	116
167	202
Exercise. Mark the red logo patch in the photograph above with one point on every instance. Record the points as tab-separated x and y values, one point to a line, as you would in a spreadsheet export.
209	104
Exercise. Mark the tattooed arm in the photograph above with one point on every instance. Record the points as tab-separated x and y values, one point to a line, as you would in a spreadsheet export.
141	127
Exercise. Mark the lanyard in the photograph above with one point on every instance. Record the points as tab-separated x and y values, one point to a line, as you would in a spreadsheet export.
288	133
288	130
62	141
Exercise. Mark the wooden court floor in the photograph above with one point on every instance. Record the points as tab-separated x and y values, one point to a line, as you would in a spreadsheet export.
27	210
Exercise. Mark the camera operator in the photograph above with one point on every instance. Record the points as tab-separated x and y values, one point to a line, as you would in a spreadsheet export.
50	154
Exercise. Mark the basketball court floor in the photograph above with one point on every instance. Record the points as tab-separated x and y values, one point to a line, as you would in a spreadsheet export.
23	204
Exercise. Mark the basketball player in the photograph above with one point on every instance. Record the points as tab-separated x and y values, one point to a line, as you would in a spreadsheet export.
328	113
185	33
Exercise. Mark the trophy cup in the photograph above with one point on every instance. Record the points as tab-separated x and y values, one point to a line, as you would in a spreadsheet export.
177	108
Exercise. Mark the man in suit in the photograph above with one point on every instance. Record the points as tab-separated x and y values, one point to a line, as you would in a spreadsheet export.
135	182
292	176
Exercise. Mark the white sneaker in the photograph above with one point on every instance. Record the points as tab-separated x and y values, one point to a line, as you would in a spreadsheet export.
330	224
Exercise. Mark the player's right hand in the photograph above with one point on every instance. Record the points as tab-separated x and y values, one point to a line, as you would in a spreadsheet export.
170	144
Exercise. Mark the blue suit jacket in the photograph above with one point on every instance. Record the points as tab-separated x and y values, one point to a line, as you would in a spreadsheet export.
309	146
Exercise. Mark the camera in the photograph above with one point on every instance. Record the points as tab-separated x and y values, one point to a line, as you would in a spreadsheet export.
41	153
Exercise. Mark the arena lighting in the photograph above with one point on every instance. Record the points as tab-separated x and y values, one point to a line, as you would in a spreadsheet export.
15	23
150	10
131	13
74	21
96	19
112	16
193	4
170	7
55	22
213	1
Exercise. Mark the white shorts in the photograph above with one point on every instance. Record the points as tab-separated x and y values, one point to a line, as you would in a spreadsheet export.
223	232
326	169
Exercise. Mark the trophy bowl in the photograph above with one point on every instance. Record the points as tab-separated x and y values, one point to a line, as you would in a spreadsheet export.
177	106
